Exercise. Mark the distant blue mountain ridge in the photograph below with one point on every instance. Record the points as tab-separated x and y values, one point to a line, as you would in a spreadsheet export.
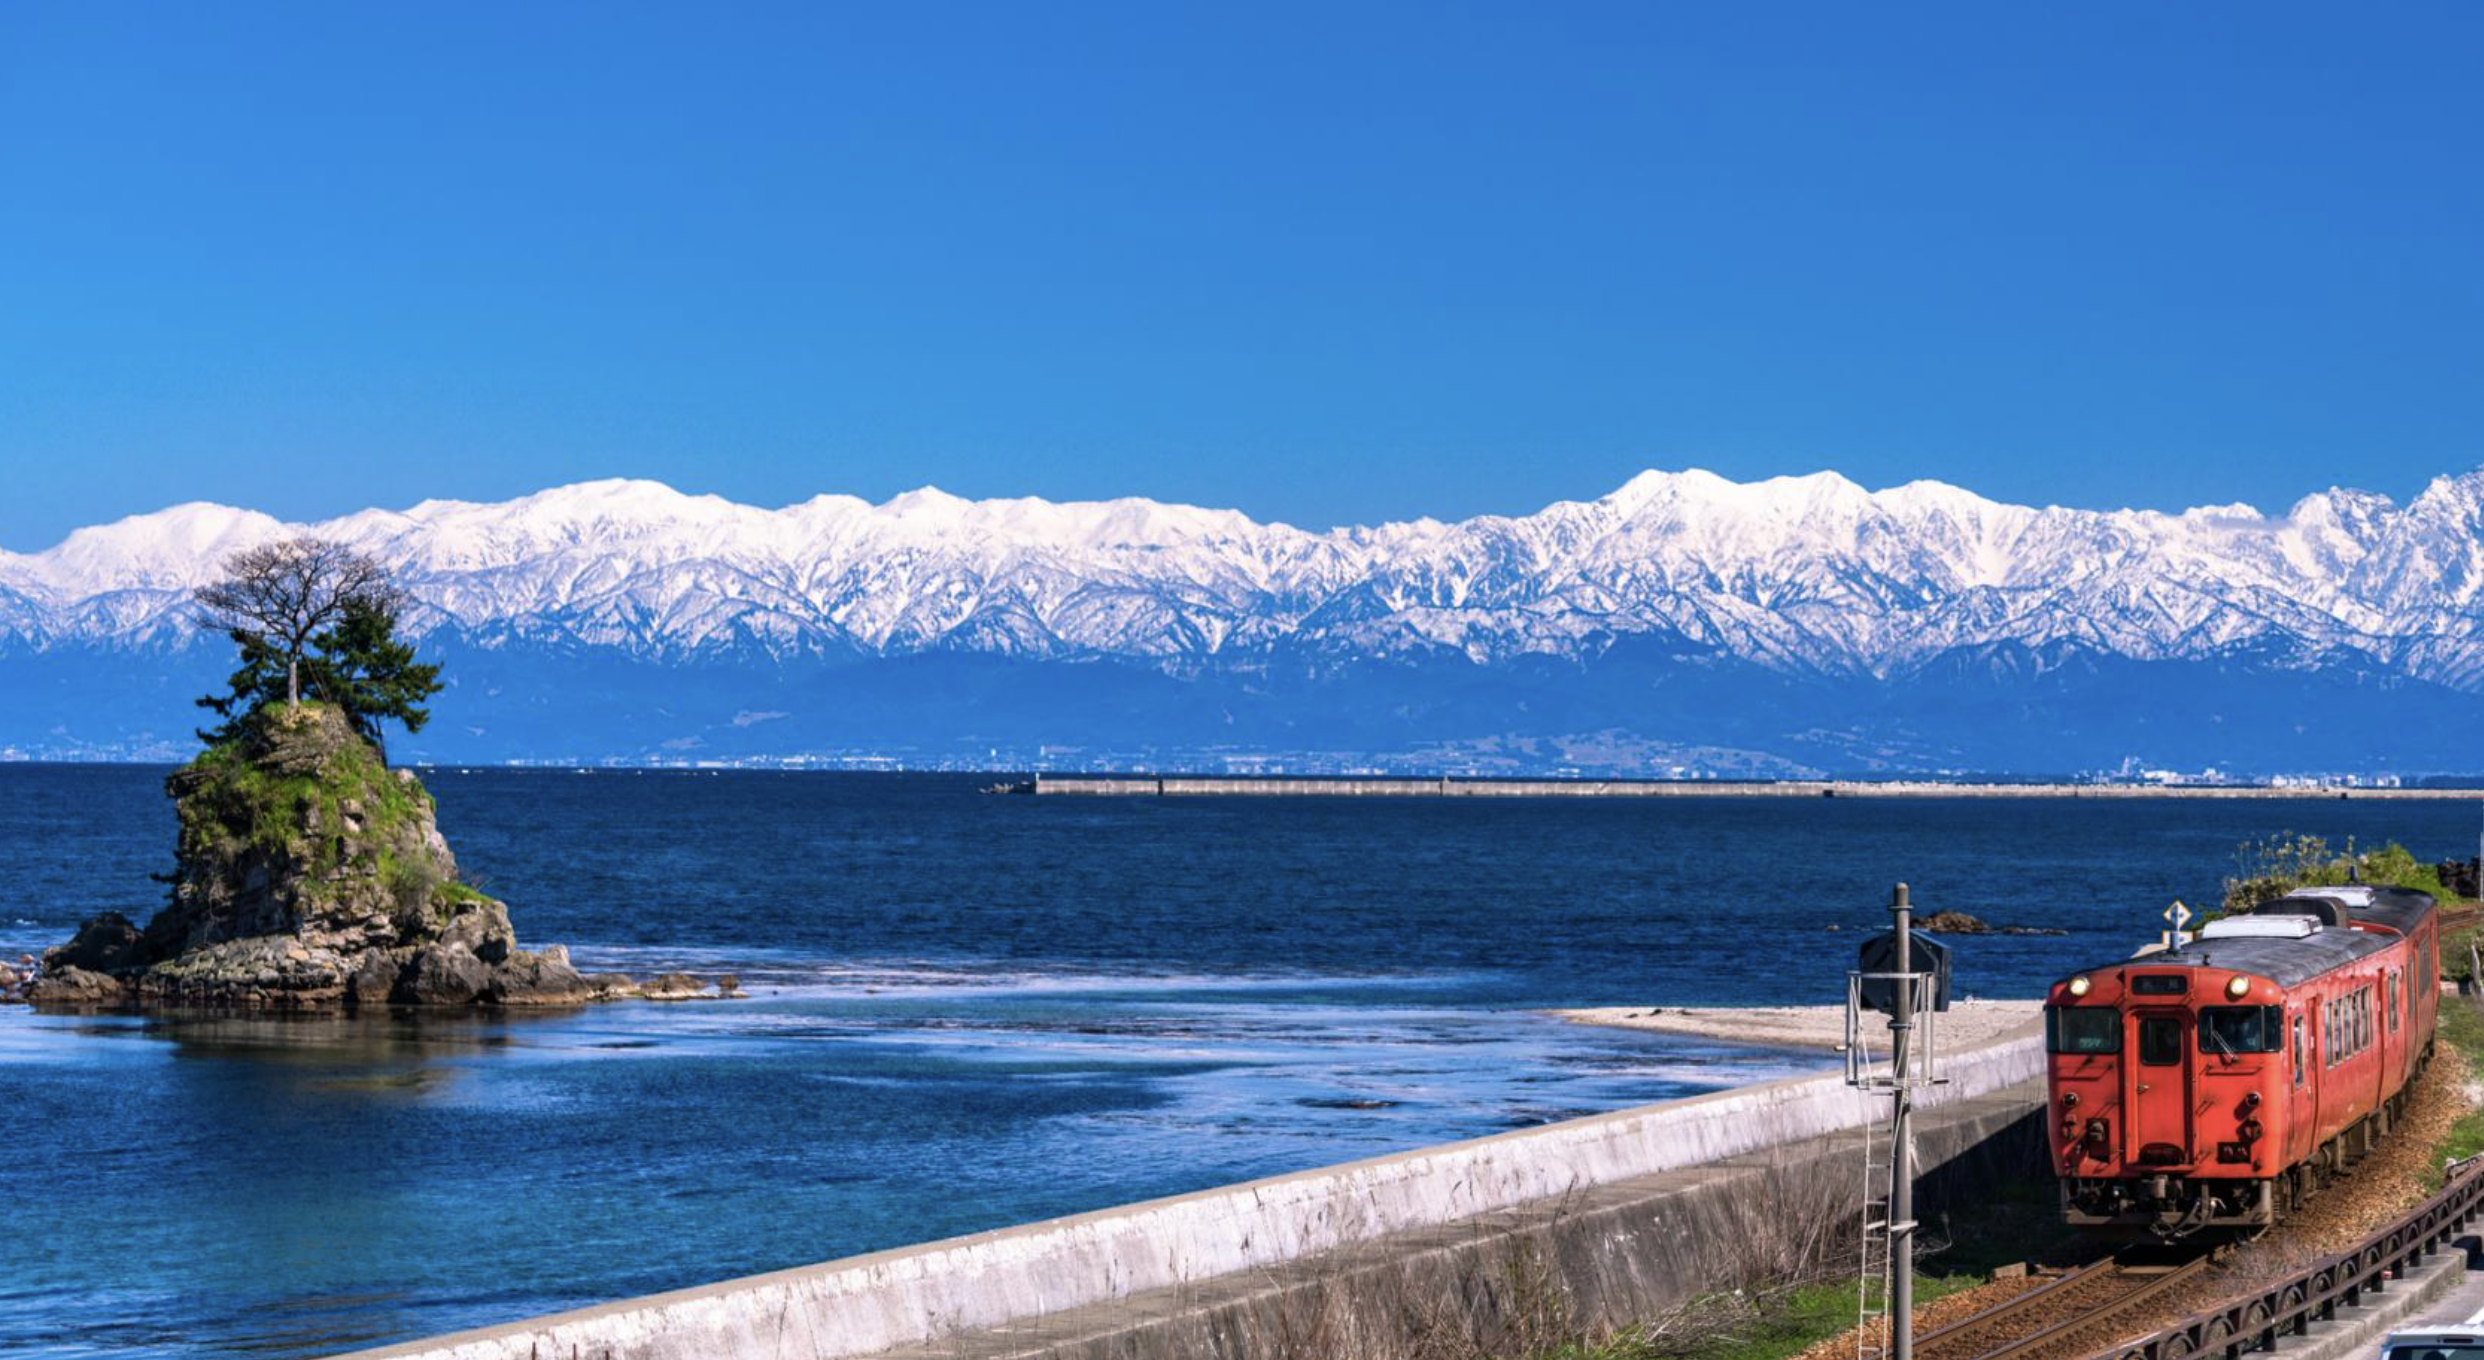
1683	625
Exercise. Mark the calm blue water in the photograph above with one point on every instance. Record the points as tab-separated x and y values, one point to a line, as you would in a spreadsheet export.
970	1011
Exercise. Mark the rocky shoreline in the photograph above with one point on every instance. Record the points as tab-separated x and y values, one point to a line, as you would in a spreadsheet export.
311	876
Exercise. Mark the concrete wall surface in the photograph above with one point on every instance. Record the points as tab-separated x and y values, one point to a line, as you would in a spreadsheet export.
1522	1280
917	1295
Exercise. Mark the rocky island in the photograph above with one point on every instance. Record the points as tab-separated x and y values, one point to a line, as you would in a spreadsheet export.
311	875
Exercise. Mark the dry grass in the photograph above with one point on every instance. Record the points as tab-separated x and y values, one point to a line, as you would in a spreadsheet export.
1941	1312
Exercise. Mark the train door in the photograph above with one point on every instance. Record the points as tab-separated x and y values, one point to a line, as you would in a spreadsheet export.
2393	1048
2160	1098
2303	1110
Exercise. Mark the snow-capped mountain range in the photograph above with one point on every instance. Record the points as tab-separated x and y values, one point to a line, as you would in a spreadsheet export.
1810	579
1810	573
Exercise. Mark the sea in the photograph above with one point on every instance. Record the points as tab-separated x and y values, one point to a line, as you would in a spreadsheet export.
965	1010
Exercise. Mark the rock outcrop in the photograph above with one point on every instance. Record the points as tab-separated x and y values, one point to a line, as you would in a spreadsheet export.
1960	923
309	875
2462	877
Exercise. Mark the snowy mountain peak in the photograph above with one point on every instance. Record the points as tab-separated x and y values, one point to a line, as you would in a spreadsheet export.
929	501
164	549
1779	497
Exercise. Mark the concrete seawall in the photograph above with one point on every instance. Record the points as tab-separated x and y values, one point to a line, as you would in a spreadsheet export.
940	1294
1513	1281
1201	786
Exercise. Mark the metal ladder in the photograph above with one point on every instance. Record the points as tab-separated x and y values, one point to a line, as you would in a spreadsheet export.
1871	1286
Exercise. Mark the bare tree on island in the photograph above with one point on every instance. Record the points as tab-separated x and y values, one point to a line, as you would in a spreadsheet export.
321	618
287	593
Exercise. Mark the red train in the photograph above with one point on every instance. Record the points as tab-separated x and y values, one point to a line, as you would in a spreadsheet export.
2220	1083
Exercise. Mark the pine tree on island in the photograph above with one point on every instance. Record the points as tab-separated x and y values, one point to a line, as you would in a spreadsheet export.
308	873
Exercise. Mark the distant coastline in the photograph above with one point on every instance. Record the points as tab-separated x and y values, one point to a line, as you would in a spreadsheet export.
1188	786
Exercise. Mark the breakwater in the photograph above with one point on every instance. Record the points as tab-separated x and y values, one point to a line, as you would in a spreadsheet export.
1121	1281
1190	786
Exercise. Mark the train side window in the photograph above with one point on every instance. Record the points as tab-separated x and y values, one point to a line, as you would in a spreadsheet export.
2298	1051
2394	993
2083	1029
2341	1027
2160	1040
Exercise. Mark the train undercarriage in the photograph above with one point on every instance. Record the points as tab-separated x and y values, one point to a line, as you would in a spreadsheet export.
2167	1207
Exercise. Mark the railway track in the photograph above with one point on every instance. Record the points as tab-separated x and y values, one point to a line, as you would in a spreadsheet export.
2063	1307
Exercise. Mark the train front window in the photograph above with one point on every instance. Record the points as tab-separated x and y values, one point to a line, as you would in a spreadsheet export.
2241	1029
2083	1029
2160	1040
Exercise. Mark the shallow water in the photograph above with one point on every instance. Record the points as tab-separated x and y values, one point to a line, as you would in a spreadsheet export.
969	1011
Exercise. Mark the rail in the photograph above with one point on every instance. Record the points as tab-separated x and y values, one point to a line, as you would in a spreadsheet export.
1941	1340
2254	1320
2043	1316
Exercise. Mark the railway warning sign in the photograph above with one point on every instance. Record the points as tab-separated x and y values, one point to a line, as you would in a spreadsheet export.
2177	916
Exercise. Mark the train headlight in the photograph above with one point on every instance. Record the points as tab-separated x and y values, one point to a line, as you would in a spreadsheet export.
2079	985
2238	988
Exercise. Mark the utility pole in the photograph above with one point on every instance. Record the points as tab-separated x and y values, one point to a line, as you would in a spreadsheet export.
1901	1139
1887	980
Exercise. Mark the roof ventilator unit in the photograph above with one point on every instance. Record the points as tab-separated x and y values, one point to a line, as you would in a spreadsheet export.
2286	927
2328	911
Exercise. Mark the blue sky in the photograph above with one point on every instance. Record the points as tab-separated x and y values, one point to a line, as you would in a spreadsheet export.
1326	263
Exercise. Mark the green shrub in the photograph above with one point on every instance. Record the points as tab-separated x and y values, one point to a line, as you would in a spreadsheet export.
2461	1037
2266	870
410	881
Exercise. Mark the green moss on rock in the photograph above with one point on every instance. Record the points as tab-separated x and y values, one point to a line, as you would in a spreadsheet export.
297	827
310	873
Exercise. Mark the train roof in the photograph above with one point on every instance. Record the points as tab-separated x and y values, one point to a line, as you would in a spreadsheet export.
2397	909
2286	962
2289	961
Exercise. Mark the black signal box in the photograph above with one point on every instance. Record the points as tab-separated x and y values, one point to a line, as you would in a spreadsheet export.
1879	955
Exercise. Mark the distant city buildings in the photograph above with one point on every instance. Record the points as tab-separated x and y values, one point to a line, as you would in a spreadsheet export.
1490	762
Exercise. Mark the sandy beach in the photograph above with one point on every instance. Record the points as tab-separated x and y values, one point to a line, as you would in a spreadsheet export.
1966	1024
